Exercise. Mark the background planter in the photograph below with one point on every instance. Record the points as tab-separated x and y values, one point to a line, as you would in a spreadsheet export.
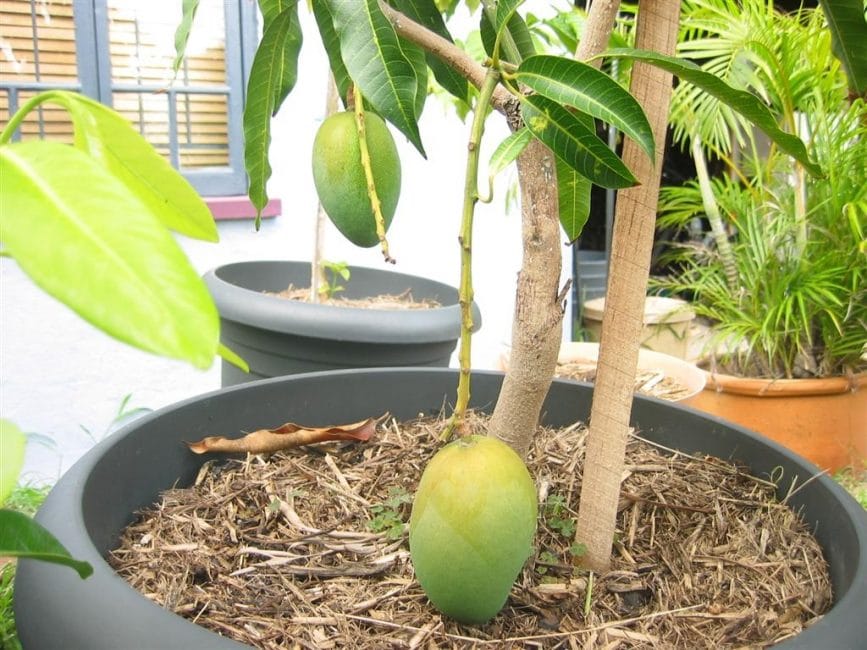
683	372
92	503
276	336
824	420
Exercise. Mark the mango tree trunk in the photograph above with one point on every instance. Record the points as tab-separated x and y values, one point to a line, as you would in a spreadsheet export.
538	323
634	224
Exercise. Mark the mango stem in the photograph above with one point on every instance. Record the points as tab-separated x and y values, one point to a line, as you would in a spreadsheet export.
375	203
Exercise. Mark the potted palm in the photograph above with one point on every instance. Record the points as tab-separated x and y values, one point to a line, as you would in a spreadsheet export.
371	43
779	271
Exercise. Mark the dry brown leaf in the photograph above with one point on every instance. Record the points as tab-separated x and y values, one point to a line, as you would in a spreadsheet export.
286	436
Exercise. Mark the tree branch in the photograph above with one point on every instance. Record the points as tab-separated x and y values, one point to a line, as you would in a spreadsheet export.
448	52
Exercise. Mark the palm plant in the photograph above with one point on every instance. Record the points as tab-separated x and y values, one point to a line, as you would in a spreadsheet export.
783	278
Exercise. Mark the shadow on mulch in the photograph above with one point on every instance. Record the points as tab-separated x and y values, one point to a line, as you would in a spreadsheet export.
308	549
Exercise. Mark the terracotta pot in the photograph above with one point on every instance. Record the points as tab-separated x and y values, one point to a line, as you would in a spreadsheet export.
823	420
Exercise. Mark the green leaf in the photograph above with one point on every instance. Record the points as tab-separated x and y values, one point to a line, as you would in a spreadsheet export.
590	91
266	77
288	74
848	27
84	238
182	33
20	536
573	194
426	13
331	43
516	42
12	444
375	59
504	12
745	103
232	357
569	138
109	139
508	150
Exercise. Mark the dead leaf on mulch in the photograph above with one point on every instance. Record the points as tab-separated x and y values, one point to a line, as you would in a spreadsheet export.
306	550
286	436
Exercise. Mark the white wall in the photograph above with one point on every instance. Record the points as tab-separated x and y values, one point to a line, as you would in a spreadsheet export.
58	374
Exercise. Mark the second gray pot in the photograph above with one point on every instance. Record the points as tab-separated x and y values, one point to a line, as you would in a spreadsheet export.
279	337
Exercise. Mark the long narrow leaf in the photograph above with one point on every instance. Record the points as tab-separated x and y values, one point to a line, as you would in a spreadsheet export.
331	43
86	240
266	75
849	36
569	137
375	60
182	33
288	73
508	150
20	536
590	91
747	104
425	13
573	198
110	140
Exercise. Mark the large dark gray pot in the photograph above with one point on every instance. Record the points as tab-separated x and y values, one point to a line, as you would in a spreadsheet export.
92	502
279	337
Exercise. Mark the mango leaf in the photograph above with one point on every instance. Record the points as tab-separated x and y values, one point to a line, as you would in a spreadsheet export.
745	103
109	139
593	92
507	151
573	195
516	39
20	536
266	77
569	138
182	33
288	75
287	436
12	444
848	27
373	55
227	354
425	13
505	9
86	240
331	43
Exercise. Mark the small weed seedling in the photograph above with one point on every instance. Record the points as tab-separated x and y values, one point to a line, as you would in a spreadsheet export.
387	516
334	272
557	516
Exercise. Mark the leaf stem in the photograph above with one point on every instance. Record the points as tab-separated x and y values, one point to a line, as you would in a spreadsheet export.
21	113
471	197
375	203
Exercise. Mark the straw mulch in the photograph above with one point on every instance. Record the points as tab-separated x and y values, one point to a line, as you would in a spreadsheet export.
403	300
307	549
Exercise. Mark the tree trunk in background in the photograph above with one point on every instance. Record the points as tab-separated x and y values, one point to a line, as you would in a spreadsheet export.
597	30
622	321
538	324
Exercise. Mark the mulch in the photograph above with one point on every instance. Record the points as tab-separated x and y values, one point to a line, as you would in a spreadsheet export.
308	549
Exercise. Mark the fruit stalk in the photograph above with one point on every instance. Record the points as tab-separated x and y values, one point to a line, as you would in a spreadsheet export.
466	293
375	203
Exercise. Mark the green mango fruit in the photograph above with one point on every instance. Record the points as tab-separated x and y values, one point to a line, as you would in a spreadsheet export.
339	176
472	526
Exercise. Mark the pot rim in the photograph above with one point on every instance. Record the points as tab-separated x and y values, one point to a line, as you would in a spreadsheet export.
757	387
256	308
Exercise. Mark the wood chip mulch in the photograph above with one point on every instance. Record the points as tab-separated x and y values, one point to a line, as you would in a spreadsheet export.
308	549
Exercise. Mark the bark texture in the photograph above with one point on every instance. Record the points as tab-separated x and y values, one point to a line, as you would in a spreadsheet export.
597	31
634	223
538	322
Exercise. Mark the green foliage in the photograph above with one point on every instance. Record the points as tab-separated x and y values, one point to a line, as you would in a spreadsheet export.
855	482
557	516
847	21
389	517
335	271
799	307
59	219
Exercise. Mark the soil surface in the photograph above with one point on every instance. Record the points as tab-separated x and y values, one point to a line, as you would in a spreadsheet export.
403	300
308	549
